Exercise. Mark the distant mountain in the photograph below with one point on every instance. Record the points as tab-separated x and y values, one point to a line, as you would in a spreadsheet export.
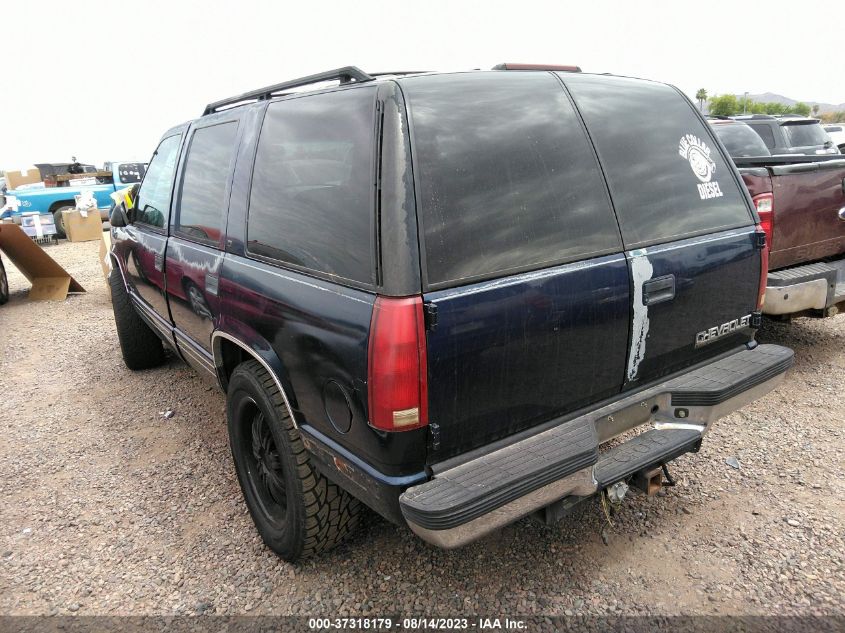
771	97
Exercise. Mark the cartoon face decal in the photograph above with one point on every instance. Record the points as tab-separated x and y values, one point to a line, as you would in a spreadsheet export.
697	153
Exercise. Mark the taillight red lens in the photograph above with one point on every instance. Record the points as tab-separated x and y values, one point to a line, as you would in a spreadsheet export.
765	204
765	209
397	365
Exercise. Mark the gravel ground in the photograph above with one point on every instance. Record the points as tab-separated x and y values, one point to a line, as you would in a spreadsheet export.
111	508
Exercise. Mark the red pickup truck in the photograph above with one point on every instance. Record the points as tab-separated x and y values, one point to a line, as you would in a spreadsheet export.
801	204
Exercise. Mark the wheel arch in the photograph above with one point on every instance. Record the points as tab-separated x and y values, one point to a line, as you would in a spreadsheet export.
230	349
61	203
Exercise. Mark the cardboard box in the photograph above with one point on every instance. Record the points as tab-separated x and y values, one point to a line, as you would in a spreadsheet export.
82	228
15	179
50	282
105	258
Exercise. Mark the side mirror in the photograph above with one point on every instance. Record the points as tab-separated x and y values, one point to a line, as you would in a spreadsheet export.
118	216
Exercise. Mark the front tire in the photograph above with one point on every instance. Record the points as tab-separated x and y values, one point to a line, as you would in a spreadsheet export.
140	346
297	511
59	220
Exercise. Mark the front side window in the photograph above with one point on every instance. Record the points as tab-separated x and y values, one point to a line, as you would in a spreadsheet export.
202	202
667	177
507	177
312	202
152	206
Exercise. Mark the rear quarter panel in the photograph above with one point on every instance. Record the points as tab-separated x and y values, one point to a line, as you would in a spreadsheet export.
319	332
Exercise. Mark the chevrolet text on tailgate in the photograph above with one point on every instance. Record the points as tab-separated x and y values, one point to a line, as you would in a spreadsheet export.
441	295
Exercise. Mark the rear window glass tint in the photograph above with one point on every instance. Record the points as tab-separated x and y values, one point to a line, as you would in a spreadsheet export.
805	134
312	202
507	178
764	131
667	178
740	140
202	202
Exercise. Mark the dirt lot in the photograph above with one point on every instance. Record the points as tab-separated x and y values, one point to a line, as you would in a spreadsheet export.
111	508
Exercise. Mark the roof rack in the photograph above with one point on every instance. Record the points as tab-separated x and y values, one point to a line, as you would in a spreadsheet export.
561	67
345	75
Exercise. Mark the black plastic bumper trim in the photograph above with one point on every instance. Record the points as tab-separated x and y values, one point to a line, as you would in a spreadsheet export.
729	377
472	489
648	449
456	497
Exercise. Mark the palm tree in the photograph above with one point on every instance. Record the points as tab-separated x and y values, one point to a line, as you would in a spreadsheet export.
701	95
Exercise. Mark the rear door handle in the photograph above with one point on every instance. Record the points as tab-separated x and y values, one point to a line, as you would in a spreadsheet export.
659	290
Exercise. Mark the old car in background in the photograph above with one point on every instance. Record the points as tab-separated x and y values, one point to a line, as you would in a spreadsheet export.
61	182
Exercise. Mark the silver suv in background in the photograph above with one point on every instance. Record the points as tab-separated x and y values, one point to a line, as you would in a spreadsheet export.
790	134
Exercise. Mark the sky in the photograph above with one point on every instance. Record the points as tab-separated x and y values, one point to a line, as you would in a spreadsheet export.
103	80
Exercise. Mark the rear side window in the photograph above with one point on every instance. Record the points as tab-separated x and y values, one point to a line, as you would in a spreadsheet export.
765	132
153	204
206	172
507	178
666	175
740	140
312	200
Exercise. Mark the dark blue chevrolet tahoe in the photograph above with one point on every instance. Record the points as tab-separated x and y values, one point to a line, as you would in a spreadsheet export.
443	295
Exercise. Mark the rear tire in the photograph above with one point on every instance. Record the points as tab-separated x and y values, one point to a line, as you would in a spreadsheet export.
59	220
4	284
140	346
297	511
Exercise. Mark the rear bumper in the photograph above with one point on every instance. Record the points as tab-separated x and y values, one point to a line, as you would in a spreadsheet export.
809	288
464	502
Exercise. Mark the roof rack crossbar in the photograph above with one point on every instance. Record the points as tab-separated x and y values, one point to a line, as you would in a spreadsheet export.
345	75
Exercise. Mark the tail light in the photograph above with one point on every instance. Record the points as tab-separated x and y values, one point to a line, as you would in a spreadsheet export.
765	209
397	385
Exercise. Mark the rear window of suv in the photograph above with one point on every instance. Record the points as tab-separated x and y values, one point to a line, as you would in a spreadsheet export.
667	177
805	134
507	179
312	200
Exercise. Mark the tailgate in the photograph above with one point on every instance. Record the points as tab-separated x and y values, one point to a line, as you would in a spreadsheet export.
509	354
807	201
